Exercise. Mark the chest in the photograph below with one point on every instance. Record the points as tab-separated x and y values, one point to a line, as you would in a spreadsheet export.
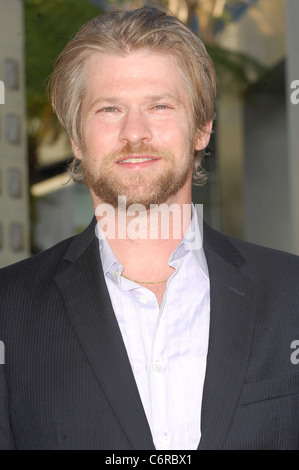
158	290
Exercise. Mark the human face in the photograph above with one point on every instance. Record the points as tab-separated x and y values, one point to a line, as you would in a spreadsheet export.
137	128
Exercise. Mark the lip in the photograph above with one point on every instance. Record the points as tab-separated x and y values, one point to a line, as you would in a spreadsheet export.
136	157
137	164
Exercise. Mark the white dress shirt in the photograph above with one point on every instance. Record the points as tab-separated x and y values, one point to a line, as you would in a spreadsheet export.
167	345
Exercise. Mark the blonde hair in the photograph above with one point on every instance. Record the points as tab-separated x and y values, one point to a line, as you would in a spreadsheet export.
122	32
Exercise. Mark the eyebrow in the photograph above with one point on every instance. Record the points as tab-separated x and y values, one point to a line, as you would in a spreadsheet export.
163	96
103	99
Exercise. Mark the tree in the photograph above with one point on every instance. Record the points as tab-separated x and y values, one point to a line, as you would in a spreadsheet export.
49	24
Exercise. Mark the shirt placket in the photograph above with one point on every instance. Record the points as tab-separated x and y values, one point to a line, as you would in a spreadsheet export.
159	385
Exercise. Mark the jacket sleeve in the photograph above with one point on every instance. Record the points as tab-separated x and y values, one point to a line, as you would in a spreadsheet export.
6	436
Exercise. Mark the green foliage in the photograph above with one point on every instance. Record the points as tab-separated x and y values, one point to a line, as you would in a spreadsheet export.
243	70
49	24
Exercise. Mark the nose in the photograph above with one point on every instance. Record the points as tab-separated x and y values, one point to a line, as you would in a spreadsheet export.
135	128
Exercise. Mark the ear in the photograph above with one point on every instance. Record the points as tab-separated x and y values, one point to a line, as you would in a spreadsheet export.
202	138
76	150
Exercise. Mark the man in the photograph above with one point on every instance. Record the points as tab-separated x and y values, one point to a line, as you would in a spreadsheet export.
118	341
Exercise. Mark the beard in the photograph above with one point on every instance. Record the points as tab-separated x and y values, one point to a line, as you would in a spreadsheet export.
141	188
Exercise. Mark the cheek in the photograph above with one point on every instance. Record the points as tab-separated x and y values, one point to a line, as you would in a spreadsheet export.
99	139
171	133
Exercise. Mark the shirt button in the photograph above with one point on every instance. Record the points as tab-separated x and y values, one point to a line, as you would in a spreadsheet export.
165	438
116	273
158	366
144	299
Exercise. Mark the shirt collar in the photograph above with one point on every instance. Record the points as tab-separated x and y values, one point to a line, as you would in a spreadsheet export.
191	243
110	263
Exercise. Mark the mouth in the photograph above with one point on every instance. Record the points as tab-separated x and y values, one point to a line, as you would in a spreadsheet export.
137	161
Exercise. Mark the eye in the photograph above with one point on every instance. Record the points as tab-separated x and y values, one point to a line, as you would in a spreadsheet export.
161	106
109	109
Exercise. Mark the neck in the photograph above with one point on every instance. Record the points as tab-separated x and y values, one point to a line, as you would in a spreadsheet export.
160	225
143	241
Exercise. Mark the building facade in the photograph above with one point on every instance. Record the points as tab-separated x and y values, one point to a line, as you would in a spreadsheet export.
14	190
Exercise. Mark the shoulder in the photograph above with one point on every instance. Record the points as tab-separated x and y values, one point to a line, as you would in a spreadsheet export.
257	262
260	258
48	264
38	267
276	273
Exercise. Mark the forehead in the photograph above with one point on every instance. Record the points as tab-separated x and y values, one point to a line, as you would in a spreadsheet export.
134	72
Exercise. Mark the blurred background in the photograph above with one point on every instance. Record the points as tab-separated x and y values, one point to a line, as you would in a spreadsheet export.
252	192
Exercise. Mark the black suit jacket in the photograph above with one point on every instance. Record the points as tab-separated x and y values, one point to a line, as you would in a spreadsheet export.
67	381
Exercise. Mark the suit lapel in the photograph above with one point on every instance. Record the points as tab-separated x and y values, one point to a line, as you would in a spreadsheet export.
232	318
87	302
